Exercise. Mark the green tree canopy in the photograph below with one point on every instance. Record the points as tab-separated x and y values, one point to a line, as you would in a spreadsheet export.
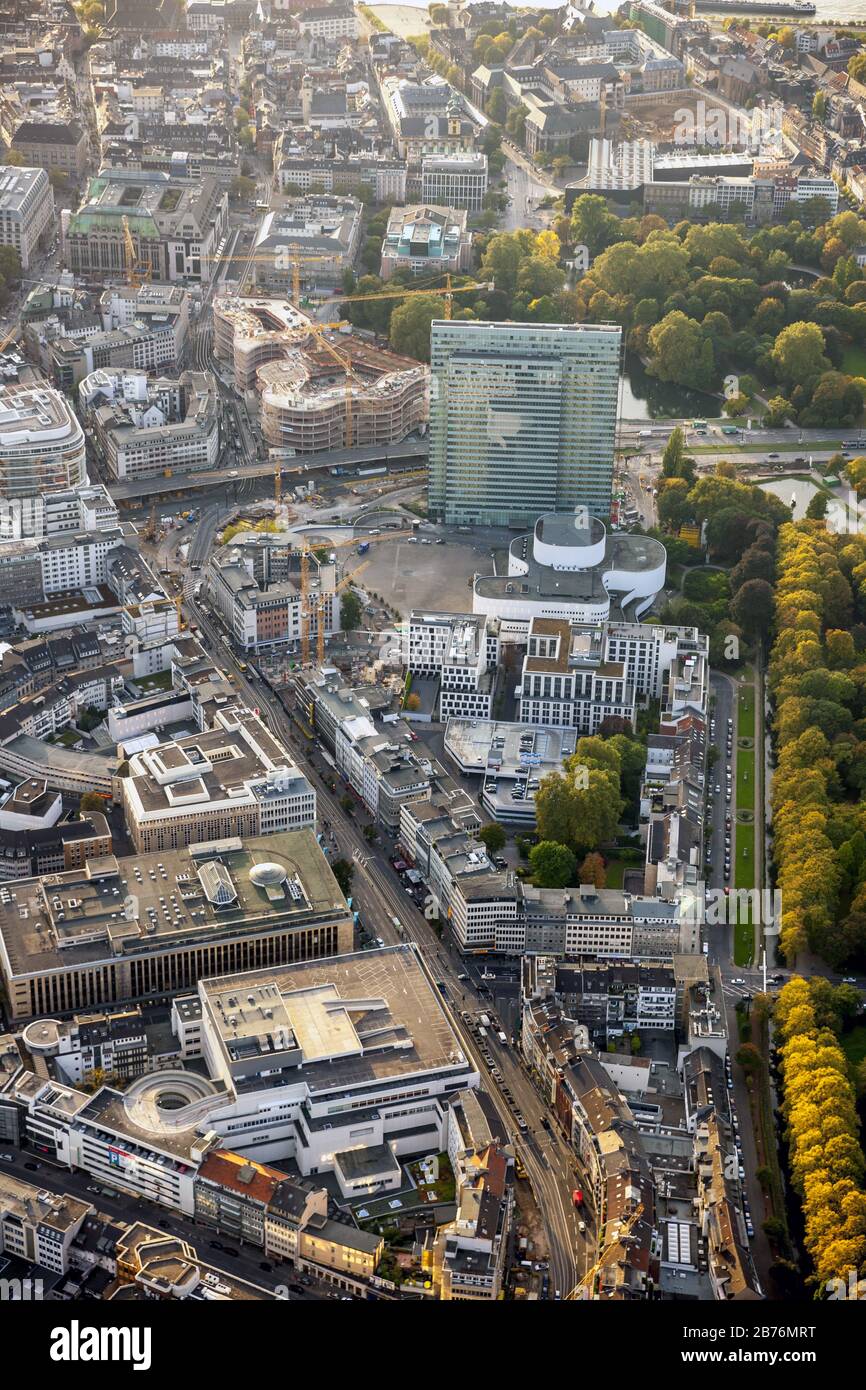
553	865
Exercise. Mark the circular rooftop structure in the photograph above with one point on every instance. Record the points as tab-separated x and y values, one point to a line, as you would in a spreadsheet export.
569	541
268	875
42	1035
166	1102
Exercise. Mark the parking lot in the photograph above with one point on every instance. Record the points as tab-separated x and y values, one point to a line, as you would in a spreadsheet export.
409	574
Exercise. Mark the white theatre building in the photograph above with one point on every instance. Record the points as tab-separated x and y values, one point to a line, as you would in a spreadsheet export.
577	572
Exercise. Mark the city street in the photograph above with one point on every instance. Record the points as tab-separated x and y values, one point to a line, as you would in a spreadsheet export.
378	896
247	1264
524	191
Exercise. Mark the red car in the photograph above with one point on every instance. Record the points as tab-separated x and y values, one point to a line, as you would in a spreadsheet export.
577	1197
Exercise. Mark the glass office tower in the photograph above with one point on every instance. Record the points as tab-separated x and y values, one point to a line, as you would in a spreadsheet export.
522	420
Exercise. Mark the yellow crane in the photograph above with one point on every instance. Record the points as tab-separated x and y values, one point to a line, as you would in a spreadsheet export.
584	1287
295	260
309	601
136	272
448	292
345	361
280	259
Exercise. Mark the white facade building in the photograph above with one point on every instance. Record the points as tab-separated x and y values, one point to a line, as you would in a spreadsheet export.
26	210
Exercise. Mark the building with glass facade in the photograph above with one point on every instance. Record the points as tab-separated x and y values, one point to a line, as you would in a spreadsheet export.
522	420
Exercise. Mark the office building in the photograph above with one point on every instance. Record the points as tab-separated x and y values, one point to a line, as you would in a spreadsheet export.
522	420
254	585
41	443
119	931
455	181
459	654
235	779
303	403
144	426
426	240
176	226
26	210
316	237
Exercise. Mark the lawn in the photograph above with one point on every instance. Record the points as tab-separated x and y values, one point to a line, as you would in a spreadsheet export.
614	870
755	448
160	680
744	837
746	712
744	877
68	738
854	361
854	1044
745	779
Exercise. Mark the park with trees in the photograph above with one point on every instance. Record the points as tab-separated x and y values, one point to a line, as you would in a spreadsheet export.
817	684
825	1158
700	302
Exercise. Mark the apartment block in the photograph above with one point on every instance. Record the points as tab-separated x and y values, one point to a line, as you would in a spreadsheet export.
233	780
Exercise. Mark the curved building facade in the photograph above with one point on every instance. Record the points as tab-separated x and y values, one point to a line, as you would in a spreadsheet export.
561	570
307	413
42	446
249	332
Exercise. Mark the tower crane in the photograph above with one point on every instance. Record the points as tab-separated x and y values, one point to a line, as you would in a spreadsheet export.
295	259
136	273
345	361
448	293
583	1289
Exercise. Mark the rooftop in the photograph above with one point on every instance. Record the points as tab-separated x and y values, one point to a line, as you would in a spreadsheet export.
110	907
339	1022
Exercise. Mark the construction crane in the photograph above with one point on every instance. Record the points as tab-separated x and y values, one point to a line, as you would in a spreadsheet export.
323	602
448	292
345	361
583	1289
137	274
309	601
295	260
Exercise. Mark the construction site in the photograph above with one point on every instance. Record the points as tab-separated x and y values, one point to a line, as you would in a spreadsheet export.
317	388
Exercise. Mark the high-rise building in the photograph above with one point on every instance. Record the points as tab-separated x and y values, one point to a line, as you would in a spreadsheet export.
522	420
